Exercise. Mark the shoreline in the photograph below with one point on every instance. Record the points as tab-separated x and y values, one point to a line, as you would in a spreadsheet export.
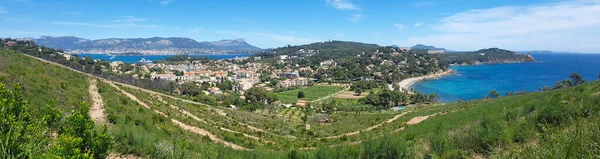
406	83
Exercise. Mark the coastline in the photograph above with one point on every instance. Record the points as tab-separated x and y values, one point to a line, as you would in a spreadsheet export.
406	83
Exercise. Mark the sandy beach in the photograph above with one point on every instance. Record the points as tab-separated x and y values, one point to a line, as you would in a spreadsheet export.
405	84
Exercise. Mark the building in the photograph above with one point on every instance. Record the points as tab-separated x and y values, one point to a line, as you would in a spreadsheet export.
328	63
290	75
292	82
214	91
169	76
436	51
404	49
283	57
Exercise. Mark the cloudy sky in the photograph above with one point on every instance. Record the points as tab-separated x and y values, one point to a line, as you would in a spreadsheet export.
453	24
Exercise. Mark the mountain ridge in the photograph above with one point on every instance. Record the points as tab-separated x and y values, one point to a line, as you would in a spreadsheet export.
152	45
426	47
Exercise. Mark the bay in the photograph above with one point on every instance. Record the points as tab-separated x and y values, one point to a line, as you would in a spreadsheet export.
472	82
137	58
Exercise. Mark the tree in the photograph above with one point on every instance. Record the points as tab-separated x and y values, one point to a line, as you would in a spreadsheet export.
178	73
329	107
225	85
358	91
300	95
494	94
576	79
190	89
258	95
433	98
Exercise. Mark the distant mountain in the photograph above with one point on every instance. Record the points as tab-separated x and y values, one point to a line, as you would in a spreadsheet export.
425	47
155	45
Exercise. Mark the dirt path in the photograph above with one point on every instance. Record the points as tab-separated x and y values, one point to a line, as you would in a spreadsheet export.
188	114
367	129
97	110
112	83
206	133
193	129
331	95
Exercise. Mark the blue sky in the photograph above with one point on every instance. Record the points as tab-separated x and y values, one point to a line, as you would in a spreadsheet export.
453	24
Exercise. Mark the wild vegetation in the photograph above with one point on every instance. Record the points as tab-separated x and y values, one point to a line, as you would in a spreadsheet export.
559	123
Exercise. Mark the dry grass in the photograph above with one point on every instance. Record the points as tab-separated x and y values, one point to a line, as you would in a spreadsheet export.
350	95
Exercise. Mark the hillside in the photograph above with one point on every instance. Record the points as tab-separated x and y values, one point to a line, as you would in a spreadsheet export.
491	55
155	45
554	124
426	47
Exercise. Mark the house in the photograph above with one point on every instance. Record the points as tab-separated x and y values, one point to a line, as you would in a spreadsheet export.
435	51
283	57
68	56
246	74
244	85
301	104
214	90
328	63
170	77
292	82
9	43
404	49
290	75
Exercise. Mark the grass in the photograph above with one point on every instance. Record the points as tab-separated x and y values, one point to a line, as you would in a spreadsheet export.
43	82
310	93
555	124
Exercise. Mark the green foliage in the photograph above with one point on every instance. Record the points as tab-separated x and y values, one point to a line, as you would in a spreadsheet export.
257	97
79	130
300	95
491	55
494	94
310	93
23	136
225	85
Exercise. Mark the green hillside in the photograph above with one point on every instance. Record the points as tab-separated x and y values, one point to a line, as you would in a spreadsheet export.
560	123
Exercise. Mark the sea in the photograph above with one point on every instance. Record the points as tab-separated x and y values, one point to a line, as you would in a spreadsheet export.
137	58
472	82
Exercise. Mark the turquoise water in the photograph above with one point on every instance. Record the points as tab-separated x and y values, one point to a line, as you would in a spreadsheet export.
471	82
137	58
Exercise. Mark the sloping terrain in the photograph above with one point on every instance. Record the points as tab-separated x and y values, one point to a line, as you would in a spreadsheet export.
554	124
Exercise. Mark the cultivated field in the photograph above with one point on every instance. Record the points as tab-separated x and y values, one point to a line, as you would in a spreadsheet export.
350	95
310	93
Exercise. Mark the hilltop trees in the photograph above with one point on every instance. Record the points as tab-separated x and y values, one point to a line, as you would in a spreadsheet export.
494	94
576	79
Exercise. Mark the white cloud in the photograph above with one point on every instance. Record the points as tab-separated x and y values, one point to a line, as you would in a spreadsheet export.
565	26
342	4
122	22
196	30
400	26
165	2
356	17
294	40
418	25
3	10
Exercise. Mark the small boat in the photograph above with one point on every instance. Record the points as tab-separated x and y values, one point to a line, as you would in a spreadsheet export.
112	57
